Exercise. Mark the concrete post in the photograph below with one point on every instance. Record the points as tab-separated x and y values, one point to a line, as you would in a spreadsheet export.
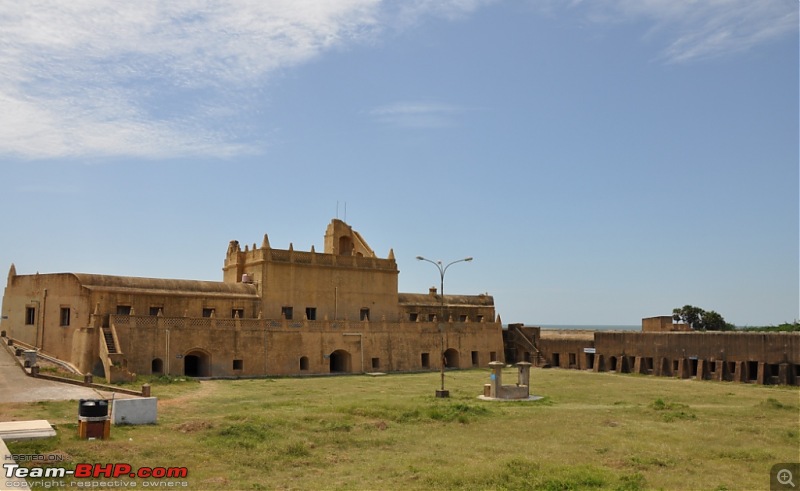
146	390
496	377
525	376
87	379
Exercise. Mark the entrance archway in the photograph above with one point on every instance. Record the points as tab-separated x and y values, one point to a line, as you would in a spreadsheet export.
157	366
197	364
340	361
451	358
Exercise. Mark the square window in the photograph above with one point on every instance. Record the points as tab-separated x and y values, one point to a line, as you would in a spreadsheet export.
431	317
286	313
364	314
462	318
238	364
311	313
64	318
426	360
237	312
154	310
123	310
208	312
413	316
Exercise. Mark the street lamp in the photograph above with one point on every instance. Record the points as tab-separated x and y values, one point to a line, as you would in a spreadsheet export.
442	270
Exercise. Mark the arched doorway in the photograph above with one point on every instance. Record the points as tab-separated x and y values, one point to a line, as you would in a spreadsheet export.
612	364
197	364
157	366
451	358
340	361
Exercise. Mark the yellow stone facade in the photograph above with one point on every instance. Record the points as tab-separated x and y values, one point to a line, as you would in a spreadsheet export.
276	312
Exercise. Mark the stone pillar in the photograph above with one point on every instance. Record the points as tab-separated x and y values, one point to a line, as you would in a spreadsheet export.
702	369
783	374
637	365
496	378
524	376
683	368
88	379
146	390
762	369
739	373
598	363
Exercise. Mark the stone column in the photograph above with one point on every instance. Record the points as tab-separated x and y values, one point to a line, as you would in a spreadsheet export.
496	378
524	377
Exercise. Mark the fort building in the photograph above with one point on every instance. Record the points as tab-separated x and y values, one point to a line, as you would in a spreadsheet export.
664	349
275	312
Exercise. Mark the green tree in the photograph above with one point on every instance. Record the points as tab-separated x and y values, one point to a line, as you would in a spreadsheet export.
700	320
688	314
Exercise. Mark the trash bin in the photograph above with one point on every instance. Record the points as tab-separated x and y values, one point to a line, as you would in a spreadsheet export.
93	419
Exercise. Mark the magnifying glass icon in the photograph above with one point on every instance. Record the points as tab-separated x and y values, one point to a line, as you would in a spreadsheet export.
785	477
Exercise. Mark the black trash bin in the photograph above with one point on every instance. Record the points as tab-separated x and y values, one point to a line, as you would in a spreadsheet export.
93	408
93	419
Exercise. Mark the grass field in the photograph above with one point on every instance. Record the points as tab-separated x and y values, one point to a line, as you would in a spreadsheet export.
591	431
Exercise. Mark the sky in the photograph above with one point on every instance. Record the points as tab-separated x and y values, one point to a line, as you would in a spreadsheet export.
602	161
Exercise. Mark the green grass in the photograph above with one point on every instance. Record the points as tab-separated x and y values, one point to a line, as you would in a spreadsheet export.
591	431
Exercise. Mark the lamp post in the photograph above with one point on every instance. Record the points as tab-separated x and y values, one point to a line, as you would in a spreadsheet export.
442	270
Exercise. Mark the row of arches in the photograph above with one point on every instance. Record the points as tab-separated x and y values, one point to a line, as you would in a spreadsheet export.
197	363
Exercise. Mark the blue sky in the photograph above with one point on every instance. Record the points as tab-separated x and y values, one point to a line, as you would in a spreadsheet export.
602	161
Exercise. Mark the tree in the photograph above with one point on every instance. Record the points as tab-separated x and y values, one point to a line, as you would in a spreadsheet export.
689	314
700	320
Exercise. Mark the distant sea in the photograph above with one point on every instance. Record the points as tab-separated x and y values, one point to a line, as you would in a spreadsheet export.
591	327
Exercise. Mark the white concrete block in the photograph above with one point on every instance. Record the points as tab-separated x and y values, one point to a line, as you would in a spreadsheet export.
139	411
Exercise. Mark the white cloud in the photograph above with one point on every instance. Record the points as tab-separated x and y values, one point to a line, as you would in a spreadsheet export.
158	79
700	29
416	114
98	78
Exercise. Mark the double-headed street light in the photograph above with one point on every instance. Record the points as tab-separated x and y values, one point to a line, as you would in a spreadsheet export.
442	270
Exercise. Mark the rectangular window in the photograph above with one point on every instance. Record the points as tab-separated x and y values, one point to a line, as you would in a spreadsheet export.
479	318
462	318
238	364
155	310
431	317
426	360
311	313
286	313
30	316
64	318
413	316
237	312
123	310
492	356
208	312
364	314
376	363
